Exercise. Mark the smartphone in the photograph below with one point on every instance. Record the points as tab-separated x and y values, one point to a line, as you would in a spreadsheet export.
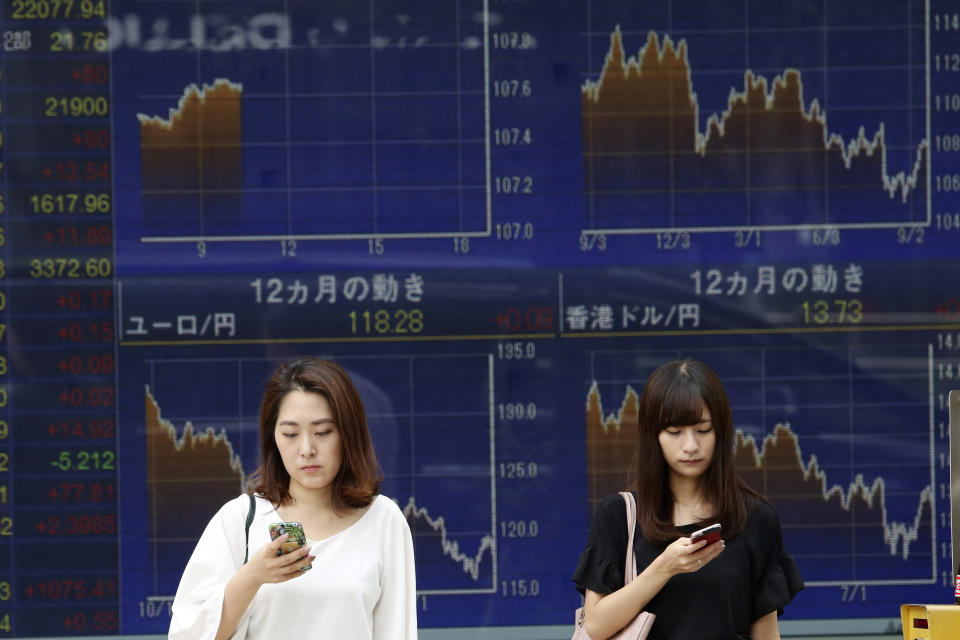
296	540
711	534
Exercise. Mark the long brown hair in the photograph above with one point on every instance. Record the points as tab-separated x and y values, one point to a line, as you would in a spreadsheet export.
358	481
675	395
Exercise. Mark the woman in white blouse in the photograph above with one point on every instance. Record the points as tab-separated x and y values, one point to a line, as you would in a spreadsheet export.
318	467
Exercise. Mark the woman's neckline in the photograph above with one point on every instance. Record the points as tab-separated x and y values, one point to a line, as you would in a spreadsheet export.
353	524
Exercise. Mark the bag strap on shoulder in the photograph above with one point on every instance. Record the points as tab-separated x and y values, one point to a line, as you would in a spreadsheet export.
250	513
630	562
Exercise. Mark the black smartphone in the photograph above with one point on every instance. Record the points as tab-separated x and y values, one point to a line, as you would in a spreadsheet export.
711	534
296	540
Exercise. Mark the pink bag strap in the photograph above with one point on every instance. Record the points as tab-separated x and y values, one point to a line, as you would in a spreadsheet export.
630	563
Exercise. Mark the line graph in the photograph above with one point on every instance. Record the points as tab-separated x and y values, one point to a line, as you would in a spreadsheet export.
820	434
398	148
198	146
679	138
189	475
196	458
781	450
193	159
471	565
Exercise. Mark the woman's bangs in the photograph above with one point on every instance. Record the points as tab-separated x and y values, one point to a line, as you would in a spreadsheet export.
682	405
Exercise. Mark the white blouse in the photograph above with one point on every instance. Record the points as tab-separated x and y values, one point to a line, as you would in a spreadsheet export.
362	585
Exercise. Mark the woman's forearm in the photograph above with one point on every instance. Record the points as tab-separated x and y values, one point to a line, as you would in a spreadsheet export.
606	615
237	596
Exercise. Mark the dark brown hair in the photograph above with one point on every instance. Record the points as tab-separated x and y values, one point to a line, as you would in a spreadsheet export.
358	481
675	395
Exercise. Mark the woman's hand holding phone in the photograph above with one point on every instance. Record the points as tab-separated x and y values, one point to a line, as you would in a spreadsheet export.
686	555
295	538
270	565
711	534
264	566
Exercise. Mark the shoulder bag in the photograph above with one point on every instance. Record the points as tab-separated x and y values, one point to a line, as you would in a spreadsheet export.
639	627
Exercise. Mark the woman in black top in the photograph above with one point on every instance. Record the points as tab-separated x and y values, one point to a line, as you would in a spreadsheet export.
685	480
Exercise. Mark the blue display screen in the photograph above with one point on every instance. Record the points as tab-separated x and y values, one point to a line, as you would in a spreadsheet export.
499	216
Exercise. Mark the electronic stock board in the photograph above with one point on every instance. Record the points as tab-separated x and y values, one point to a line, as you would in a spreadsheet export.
499	216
